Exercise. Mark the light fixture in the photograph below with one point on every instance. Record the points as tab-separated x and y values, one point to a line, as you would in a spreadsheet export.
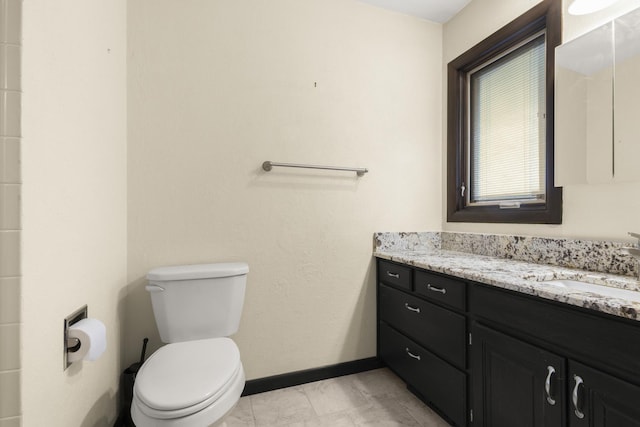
583	7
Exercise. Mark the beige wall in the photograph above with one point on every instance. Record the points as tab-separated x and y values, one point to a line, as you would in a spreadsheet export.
74	203
604	211
218	87
214	89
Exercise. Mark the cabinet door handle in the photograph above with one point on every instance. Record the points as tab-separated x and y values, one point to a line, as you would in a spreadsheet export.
436	289
574	397
394	275
547	385
414	309
411	354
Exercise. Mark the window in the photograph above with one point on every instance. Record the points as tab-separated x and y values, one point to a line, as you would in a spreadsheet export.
506	140
500	124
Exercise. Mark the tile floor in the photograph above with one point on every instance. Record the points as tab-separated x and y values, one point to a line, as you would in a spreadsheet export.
372	398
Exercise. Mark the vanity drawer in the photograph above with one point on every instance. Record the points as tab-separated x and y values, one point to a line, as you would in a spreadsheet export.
394	274
441	289
432	378
440	330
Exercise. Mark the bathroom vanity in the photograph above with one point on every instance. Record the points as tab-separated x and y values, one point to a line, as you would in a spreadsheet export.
488	341
422	334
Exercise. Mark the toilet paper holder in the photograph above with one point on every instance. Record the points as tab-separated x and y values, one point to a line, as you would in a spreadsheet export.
71	345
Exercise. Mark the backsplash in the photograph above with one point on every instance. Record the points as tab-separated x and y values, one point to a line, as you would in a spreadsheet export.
590	255
407	241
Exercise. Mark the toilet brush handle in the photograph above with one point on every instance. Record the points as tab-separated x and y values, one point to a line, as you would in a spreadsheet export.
144	350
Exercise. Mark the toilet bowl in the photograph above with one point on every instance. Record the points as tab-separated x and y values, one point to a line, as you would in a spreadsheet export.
193	383
197	378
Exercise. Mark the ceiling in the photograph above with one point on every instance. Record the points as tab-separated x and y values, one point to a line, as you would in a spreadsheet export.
433	10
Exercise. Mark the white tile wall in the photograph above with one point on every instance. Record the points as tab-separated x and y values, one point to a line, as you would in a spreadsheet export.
10	66
10	422
10	113
10	160
9	300
9	253
10	109
10	354
10	207
12	21
10	392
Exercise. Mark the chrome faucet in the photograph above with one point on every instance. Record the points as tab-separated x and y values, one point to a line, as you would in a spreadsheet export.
634	251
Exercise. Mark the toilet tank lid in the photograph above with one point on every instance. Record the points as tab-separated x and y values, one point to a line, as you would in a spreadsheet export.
198	271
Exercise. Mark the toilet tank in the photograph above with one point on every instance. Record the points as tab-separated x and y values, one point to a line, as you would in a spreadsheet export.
192	302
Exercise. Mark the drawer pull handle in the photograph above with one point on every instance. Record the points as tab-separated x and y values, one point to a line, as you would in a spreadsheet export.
411	354
547	385
414	309
394	275
436	289
574	397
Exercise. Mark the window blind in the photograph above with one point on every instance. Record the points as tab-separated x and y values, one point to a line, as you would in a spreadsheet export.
507	126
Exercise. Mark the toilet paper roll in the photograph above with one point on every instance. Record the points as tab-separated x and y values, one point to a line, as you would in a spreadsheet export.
93	339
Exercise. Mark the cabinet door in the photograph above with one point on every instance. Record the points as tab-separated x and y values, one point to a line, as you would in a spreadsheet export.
599	400
515	383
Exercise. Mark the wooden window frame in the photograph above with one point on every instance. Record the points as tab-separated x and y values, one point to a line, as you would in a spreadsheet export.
544	15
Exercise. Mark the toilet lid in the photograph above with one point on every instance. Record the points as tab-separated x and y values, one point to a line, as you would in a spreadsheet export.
181	375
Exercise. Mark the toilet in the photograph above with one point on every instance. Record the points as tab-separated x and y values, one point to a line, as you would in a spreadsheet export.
197	378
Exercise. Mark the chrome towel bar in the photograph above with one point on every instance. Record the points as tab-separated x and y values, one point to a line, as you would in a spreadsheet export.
268	165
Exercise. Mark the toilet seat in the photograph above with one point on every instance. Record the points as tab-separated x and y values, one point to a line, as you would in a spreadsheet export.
181	379
212	415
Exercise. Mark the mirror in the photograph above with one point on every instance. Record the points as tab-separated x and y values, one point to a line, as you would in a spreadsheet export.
627	97
584	108
596	102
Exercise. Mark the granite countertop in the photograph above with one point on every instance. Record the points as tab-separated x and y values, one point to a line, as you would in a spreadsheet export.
524	277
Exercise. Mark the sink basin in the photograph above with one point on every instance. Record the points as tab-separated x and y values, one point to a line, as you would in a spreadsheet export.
596	289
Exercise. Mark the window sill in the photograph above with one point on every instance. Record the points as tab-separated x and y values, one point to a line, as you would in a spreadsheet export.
542	213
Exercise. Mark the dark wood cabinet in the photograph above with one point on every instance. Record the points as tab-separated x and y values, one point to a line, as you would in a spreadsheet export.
521	385
442	330
396	275
441	289
601	400
526	350
441	385
483	356
423	338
